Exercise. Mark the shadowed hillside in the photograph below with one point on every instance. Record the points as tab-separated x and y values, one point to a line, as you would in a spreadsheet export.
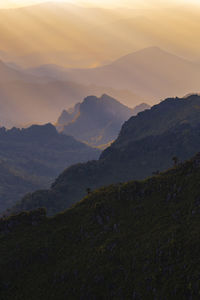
147	143
31	158
138	240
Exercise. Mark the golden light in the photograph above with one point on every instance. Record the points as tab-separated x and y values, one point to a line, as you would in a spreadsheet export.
104	3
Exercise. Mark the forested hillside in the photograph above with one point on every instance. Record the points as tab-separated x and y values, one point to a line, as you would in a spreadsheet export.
138	240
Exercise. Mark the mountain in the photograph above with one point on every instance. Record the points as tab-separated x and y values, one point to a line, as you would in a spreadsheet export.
26	98
140	107
138	240
68	116
15	182
151	73
146	144
9	74
31	157
96	121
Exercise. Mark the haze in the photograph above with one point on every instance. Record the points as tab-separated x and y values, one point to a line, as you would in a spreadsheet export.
53	54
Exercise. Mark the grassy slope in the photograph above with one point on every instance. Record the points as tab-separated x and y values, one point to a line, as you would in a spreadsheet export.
138	240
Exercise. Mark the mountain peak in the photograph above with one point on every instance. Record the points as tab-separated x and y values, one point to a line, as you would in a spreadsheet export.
98	120
41	130
150	54
106	97
147	143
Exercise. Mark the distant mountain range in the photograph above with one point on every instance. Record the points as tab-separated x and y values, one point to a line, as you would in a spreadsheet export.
96	121
31	158
138	240
26	98
148	143
38	96
151	73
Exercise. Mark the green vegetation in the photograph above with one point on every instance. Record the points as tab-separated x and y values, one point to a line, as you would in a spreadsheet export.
147	143
138	240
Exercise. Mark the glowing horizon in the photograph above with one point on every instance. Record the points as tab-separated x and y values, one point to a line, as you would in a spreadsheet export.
72	37
102	3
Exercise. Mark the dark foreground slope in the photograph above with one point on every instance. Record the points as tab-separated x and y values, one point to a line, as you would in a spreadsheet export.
147	143
138	240
31	158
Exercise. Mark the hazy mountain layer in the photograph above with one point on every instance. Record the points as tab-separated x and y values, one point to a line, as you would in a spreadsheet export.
27	99
147	143
96	121
138	240
31	158
151	73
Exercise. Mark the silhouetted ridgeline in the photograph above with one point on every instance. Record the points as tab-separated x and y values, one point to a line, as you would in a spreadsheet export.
138	240
147	144
31	158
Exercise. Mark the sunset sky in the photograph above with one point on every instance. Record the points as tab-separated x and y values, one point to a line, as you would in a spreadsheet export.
106	3
56	39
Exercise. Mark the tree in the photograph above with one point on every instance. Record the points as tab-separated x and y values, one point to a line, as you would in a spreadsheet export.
88	190
175	160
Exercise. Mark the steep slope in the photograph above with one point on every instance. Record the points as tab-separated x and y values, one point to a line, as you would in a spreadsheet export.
138	240
147	143
68	116
151	73
30	158
96	121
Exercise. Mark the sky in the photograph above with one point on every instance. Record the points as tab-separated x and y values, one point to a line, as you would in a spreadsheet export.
73	37
104	3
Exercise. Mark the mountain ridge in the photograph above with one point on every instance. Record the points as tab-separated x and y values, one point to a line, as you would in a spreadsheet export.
96	120
30	158
29	98
137	240
150	72
136	154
